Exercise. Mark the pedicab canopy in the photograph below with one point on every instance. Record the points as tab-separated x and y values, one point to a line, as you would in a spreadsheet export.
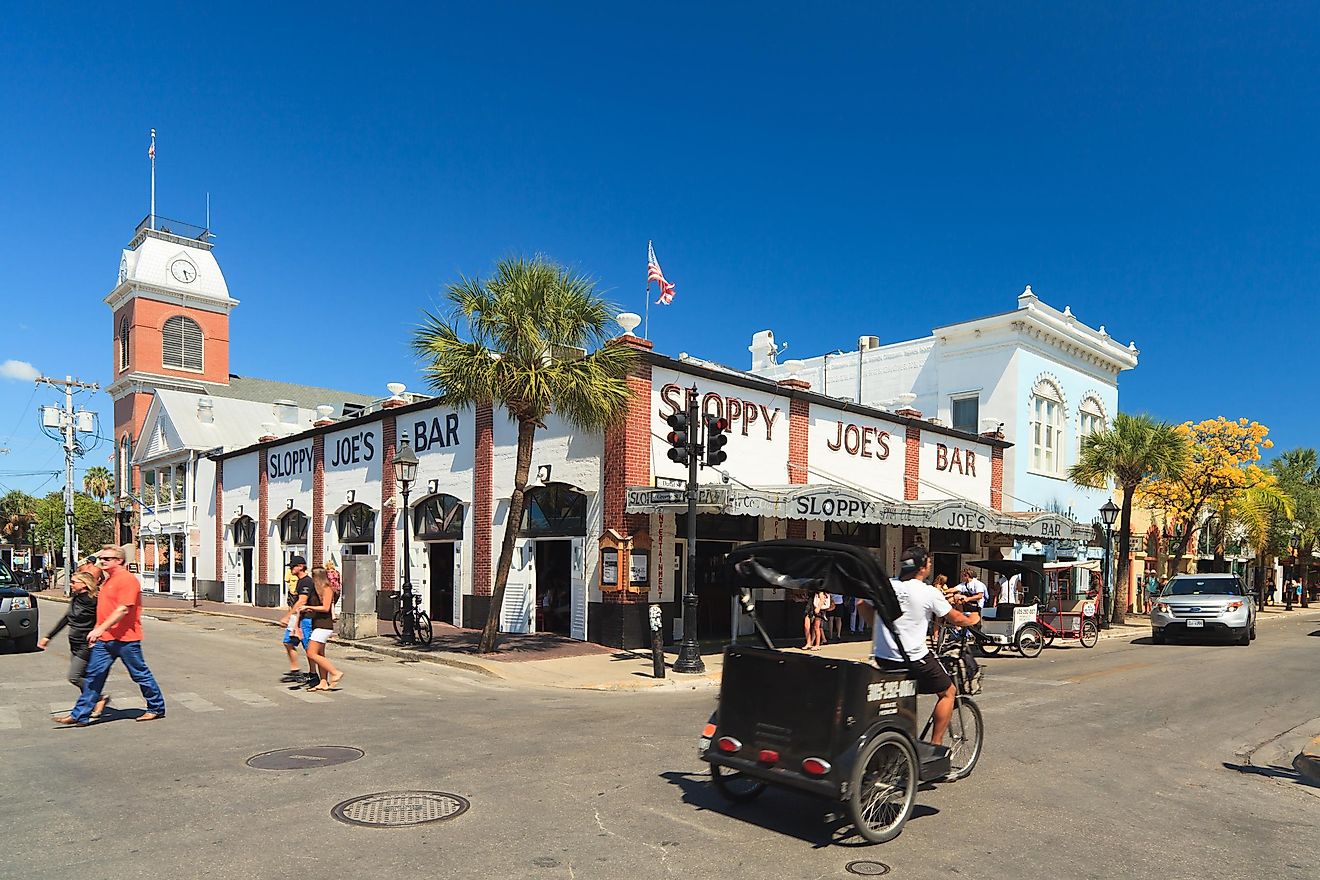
1033	575
813	565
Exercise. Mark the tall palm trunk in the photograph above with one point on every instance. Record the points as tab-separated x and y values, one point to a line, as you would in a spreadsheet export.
526	434
1119	608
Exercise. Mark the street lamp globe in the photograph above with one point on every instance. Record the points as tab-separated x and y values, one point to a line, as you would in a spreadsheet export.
405	465
1109	514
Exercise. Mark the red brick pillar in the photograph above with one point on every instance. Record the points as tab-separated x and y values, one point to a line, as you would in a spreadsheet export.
997	478
388	507
317	526
220	521
911	458
627	460
483	502
799	424
263	518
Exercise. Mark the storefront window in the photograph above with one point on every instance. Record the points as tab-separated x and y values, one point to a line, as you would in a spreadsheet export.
861	534
357	525
439	517
149	488
148	555
293	528
554	510
180	561
180	495
245	532
165	487
721	527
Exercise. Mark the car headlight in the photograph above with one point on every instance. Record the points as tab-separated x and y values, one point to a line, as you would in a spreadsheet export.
1232	606
1163	608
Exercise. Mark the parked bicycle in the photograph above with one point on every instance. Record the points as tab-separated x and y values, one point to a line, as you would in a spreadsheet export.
411	622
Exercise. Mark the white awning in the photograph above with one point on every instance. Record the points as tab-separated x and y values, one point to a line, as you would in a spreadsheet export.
828	503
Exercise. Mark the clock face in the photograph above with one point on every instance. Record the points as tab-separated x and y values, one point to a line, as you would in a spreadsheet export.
182	270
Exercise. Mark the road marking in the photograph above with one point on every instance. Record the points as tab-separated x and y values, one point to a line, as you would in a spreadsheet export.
195	703
9	720
33	685
363	695
1018	679
308	696
399	689
249	698
60	708
475	682
1101	673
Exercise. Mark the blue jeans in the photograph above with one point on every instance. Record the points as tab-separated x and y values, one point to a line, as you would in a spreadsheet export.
104	654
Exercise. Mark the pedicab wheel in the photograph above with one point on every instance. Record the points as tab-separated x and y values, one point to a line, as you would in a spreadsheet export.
424	630
1030	640
734	785
1049	637
990	649
1090	634
964	737
884	787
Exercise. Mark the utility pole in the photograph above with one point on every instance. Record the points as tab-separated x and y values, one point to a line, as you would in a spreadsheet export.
70	424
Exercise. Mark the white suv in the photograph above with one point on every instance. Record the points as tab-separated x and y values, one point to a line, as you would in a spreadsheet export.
1203	604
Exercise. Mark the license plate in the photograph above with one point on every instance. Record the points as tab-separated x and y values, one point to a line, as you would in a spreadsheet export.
703	745
1195	624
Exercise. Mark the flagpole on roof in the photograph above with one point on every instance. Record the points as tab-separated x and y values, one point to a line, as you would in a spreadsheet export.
646	327
151	154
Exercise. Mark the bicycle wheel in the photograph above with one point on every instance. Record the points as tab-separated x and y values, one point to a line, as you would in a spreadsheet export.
734	785
990	649
1030	640
884	787
423	628
1049	636
964	738
1089	635
399	613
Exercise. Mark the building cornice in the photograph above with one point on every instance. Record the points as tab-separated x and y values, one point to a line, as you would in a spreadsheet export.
136	289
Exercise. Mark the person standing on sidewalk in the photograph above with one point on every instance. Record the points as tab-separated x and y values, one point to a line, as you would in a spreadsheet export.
116	636
80	619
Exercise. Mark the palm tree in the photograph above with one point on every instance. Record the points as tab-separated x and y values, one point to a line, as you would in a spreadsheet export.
1136	448
517	339
98	482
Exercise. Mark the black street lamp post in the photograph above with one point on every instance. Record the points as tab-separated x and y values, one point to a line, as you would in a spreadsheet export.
1108	515
405	471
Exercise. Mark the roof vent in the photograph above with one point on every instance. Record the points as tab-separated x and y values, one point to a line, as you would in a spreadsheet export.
286	411
866	343
205	410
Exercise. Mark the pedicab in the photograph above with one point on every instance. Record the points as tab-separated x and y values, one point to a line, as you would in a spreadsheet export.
842	730
1070	607
1013	625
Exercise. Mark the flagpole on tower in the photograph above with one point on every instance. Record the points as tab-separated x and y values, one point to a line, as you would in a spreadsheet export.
151	154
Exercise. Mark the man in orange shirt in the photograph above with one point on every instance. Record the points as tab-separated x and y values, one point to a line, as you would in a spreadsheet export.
117	636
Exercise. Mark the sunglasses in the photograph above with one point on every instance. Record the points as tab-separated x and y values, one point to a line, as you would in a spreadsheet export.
109	559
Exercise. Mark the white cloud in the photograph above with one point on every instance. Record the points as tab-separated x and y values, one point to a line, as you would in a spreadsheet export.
20	370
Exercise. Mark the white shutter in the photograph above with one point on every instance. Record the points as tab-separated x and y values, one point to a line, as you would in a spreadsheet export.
578	613
182	344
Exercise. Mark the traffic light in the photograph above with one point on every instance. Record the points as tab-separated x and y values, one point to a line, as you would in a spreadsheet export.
679	445
716	438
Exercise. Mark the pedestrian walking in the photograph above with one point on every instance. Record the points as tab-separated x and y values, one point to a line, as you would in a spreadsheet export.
298	626
80	619
836	616
116	636
320	605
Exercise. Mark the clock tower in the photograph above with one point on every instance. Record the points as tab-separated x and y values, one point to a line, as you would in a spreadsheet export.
171	326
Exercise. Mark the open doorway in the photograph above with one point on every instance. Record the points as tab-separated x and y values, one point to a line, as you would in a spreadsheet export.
440	564
554	586
245	554
714	601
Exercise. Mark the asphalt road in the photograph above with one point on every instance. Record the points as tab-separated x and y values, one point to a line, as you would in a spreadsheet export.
1129	760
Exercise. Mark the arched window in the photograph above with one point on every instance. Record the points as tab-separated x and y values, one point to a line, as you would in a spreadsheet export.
554	510
293	528
357	525
124	330
245	532
1046	428
1091	418
181	345
438	518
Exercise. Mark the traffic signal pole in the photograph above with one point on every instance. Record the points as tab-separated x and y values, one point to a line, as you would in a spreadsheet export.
689	654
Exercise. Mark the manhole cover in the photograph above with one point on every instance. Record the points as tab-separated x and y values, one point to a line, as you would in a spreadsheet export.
392	809
867	869
304	758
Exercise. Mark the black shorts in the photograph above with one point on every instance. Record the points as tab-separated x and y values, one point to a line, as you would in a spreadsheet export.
929	674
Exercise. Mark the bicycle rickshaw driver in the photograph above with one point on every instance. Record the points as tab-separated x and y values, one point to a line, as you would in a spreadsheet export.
921	604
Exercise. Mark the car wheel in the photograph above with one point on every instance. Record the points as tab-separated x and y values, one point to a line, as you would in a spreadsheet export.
1253	632
1245	638
1156	637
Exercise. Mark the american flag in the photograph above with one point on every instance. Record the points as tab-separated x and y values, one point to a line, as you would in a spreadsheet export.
151	151
653	273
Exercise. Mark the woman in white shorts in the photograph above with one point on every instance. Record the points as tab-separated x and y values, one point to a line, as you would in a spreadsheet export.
323	627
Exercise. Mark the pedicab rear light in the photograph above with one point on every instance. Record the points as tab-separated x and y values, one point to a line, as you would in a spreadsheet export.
816	766
768	756
708	730
728	745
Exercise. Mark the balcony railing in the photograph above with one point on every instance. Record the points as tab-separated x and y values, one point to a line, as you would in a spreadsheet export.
176	228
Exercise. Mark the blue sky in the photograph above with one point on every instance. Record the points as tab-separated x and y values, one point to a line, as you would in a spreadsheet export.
823	172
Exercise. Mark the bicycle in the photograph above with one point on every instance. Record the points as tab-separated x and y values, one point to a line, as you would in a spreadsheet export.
966	727
411	623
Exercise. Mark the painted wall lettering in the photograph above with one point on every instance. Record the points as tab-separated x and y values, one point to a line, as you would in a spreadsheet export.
865	441
430	434
955	460
742	414
289	463
353	449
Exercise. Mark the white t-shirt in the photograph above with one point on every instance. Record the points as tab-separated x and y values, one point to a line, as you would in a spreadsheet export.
921	603
972	587
1011	591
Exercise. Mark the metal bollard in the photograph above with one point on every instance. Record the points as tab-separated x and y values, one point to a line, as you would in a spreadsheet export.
657	648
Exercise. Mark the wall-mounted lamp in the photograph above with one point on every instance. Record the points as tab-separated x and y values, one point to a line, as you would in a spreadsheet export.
350	495
543	475
240	510
432	486
288	505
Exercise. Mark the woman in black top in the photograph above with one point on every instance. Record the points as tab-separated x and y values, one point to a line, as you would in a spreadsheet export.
320	606
81	620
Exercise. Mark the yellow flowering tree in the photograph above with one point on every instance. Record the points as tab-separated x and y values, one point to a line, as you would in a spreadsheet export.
1222	471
